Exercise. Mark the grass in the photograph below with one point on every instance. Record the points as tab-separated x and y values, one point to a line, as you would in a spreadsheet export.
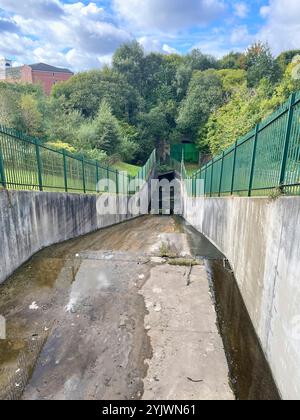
132	170
191	168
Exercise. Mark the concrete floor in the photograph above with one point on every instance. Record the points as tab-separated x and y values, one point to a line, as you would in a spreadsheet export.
104	317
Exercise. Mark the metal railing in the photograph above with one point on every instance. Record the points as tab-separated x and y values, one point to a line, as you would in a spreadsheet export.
266	159
28	164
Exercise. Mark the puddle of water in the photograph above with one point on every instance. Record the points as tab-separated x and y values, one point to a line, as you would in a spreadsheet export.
250	375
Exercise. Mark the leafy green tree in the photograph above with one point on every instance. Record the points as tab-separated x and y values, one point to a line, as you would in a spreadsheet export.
204	96
260	64
158	81
128	60
153	128
85	91
31	117
199	61
129	146
232	79
107	133
232	61
286	58
63	125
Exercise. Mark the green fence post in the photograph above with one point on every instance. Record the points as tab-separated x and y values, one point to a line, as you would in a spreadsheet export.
212	177
221	174
108	179
65	171
205	179
2	170
117	182
128	185
233	167
253	161
287	141
97	177
39	165
83	176
193	186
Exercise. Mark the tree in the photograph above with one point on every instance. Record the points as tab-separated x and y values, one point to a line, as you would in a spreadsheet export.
286	58
232	61
232	80
23	107
105	133
204	96
260	64
85	91
63	125
31	118
153	128
199	61
129	147
128	60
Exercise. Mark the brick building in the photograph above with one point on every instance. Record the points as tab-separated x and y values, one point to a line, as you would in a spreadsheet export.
45	75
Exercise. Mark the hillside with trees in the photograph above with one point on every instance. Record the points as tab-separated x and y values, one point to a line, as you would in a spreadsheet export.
123	111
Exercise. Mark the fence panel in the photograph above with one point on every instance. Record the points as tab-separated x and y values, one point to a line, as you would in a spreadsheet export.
266	159
243	164
19	162
269	153
26	163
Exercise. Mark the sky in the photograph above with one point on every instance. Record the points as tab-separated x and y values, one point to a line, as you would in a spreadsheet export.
82	35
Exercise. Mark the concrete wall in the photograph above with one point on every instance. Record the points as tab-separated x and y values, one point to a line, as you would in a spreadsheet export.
30	221
261	239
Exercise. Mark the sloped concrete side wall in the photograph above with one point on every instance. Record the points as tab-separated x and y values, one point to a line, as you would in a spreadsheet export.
261	239
30	221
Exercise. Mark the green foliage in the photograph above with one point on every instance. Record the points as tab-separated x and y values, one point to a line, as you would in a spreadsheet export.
95	154
107	130
85	92
285	58
199	61
204	96
23	107
59	145
232	79
145	100
128	61
232	60
260	64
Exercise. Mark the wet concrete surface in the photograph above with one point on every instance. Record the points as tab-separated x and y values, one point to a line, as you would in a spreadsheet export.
104	317
250	374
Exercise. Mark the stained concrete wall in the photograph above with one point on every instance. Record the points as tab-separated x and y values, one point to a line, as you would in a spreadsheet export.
261	239
30	221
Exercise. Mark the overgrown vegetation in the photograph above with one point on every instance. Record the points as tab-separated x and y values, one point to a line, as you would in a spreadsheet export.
123	111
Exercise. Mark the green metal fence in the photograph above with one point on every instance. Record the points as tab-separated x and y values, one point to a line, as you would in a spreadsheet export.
27	164
265	159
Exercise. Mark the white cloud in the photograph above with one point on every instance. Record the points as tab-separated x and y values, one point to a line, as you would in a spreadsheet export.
169	50
45	9
169	15
151	44
282	28
241	10
74	35
241	36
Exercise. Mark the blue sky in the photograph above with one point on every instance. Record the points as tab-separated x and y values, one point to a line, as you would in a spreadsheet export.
84	34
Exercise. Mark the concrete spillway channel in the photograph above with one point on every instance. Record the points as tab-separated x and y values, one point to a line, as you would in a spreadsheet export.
123	313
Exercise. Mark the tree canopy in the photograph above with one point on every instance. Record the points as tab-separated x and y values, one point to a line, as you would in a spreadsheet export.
140	100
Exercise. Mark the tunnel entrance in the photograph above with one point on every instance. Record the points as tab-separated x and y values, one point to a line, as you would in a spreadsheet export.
167	203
